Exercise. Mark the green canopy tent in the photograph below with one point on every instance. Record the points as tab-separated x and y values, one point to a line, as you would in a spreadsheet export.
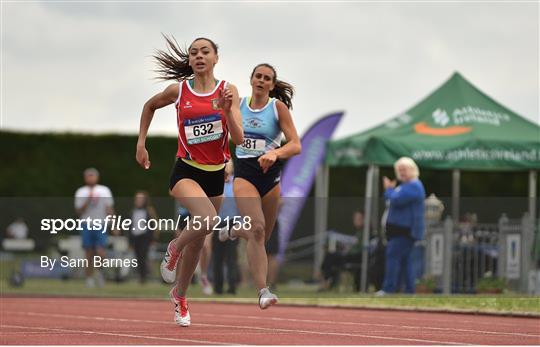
456	127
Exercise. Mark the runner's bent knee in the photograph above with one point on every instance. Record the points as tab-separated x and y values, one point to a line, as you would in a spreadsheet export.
257	231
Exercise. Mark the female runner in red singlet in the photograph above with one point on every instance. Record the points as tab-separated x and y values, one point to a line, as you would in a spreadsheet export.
207	112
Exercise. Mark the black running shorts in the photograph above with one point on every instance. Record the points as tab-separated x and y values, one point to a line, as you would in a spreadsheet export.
210	181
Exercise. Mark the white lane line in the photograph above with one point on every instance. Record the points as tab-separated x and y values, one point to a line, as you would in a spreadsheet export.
90	332
296	331
137	306
403	318
371	324
404	315
246	327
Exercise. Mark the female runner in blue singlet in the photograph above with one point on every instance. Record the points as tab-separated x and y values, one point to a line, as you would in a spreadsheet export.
265	119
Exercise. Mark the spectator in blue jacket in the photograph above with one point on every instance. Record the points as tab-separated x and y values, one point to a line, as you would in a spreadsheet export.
404	224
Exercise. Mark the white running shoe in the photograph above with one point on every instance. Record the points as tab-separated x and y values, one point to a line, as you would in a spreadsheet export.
181	312
226	234
168	264
206	286
267	299
380	293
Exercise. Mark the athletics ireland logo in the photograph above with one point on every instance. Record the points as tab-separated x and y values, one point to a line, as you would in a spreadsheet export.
440	118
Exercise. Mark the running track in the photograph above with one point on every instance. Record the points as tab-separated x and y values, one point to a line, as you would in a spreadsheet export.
66	321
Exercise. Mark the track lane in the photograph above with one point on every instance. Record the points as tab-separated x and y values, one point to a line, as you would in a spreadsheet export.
150	322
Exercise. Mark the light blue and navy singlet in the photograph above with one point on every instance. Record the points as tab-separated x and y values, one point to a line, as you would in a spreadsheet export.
262	133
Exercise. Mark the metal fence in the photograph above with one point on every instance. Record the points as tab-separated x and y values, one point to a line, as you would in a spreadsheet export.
475	255
458	257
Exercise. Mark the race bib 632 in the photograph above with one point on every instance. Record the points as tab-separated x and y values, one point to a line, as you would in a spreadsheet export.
203	129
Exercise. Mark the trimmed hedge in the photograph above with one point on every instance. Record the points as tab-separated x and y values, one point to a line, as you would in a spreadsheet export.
52	164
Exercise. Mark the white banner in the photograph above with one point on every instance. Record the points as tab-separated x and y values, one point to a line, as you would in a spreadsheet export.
437	254
513	256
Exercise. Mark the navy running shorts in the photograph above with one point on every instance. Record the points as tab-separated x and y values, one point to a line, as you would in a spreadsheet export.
250	170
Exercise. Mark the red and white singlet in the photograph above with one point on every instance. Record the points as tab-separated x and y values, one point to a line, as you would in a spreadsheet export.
203	135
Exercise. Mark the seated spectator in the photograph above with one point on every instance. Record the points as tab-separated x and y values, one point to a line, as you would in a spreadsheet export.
348	256
331	268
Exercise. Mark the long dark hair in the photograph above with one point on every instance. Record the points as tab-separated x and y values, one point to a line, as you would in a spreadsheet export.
282	91
173	63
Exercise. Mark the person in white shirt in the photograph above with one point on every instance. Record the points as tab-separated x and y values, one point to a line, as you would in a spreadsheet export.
93	202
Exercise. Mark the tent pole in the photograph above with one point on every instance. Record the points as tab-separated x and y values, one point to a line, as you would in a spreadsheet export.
456	177
532	194
527	234
376	219
321	209
449	230
368	201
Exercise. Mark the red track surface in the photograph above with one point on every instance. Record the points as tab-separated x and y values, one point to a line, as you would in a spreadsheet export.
62	321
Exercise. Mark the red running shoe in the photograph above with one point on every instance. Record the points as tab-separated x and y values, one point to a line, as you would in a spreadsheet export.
181	312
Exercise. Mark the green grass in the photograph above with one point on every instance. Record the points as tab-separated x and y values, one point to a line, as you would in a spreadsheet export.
298	294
